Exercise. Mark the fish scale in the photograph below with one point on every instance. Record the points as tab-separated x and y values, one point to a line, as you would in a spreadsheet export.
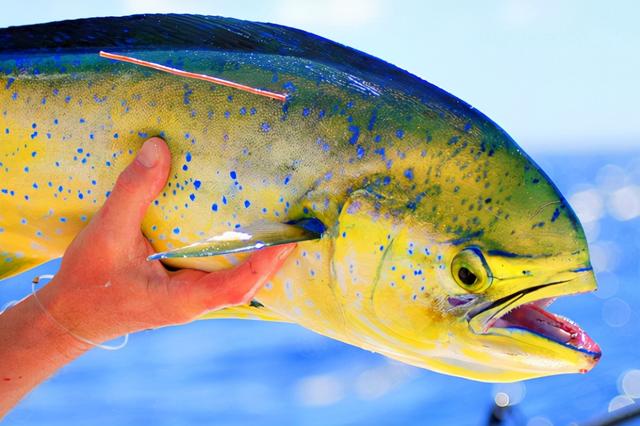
409	181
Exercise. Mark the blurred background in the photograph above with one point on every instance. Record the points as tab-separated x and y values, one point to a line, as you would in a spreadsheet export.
562	77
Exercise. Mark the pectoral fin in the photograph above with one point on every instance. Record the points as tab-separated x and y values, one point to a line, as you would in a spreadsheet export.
261	234
254	311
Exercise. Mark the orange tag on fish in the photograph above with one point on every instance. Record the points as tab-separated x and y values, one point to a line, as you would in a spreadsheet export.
277	96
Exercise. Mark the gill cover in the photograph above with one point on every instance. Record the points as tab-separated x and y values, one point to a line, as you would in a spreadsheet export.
380	277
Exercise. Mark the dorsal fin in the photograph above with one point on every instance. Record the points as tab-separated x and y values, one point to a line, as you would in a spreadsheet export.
174	31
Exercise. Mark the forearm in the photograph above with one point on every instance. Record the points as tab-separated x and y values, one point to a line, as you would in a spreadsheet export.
106	288
32	348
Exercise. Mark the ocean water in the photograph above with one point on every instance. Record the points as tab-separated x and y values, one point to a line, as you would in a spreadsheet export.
235	372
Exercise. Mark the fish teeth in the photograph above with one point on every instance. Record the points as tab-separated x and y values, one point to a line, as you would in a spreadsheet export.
542	303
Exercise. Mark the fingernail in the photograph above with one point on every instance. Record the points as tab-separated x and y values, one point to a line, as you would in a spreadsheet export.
148	155
286	251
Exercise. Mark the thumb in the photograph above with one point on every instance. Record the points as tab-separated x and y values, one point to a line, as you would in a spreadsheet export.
136	187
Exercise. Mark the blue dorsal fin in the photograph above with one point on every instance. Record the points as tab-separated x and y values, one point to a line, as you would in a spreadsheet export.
174	31
193	32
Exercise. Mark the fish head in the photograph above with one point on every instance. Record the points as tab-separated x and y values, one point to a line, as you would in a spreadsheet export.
453	269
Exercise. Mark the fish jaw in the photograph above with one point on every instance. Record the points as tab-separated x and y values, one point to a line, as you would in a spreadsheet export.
544	343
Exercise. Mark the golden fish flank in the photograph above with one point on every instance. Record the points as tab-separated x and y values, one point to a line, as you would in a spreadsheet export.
444	242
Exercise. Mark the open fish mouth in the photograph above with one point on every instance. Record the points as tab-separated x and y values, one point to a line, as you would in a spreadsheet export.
523	311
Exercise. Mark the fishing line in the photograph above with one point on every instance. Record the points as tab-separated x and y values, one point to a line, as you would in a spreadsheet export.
35	282
278	96
9	304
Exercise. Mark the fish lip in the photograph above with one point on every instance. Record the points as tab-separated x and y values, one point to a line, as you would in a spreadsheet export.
502	303
482	317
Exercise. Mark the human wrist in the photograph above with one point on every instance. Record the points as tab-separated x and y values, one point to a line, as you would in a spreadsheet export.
32	348
67	308
32	330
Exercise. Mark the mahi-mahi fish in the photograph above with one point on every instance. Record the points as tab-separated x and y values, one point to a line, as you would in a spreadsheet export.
425	232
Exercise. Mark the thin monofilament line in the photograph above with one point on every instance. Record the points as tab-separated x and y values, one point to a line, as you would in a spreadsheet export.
278	96
35	282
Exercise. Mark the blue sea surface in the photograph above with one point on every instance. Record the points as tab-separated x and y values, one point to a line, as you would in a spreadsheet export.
234	372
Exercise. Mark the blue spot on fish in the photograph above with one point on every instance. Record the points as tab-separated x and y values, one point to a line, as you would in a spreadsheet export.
325	146
408	174
372	119
356	134
186	97
290	86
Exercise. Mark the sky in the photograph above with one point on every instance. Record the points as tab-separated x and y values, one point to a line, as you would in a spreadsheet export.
559	75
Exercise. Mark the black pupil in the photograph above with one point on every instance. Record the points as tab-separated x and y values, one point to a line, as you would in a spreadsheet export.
466	276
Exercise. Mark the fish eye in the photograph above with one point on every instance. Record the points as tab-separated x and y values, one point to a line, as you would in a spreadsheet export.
470	270
466	276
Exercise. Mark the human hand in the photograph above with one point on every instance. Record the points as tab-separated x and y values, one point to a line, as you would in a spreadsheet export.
106	288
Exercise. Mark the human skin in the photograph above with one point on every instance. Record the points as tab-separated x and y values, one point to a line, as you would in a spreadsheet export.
106	288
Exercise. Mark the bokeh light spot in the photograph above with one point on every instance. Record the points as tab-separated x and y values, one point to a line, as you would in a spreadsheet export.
619	402
616	312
